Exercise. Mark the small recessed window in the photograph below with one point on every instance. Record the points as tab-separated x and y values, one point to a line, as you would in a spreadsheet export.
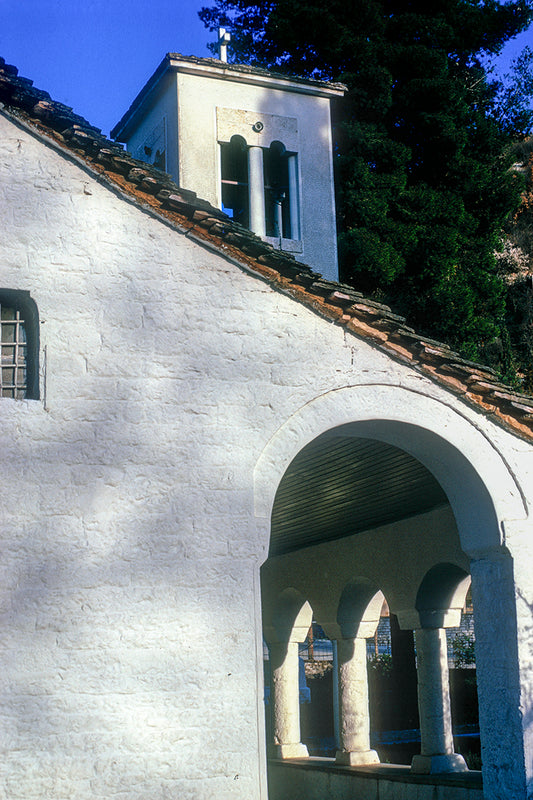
19	348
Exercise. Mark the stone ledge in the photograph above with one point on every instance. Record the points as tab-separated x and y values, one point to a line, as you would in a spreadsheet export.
398	773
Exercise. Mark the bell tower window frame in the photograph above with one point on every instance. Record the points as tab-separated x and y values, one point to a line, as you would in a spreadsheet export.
281	192
259	188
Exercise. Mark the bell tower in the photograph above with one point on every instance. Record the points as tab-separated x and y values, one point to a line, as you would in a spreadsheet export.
253	143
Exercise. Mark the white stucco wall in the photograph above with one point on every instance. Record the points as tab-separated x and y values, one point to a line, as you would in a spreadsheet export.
161	109
130	645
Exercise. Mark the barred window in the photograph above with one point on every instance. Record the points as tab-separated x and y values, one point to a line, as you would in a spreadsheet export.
13	349
18	345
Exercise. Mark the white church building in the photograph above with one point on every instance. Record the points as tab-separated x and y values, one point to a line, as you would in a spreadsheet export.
206	445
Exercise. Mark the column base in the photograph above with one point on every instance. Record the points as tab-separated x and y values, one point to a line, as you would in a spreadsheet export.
281	751
432	765
356	758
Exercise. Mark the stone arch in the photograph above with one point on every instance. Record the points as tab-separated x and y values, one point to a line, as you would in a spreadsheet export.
292	616
441	596
238	141
278	147
359	608
478	482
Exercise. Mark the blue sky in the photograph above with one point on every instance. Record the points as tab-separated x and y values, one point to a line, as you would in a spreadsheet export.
95	55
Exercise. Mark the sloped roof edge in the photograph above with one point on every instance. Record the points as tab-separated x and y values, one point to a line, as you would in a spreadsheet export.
152	190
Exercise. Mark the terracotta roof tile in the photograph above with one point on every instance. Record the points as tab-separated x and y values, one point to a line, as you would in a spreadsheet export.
152	189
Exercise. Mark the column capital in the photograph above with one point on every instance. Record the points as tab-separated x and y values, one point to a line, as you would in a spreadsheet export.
298	634
363	629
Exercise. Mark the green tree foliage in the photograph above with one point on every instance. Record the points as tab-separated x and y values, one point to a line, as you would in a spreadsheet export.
515	92
463	649
380	664
516	268
421	143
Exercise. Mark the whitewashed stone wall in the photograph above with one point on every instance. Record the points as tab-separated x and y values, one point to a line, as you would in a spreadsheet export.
130	639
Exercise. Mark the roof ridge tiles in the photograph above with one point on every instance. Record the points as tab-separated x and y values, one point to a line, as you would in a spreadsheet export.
373	321
9	69
253	69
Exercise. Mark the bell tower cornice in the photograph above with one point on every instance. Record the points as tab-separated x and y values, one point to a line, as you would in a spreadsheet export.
221	70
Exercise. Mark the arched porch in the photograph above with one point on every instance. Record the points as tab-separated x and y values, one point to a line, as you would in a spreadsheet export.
413	506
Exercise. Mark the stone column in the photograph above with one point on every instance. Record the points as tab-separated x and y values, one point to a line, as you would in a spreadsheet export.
437	752
354	720
293	197
285	701
256	190
502	589
336	720
278	211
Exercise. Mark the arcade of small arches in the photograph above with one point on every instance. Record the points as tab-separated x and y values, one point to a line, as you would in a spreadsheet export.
439	601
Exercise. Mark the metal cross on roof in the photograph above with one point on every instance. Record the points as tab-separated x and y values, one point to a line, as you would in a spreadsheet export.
223	38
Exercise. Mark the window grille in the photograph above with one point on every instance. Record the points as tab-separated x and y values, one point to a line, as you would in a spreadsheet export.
13	351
